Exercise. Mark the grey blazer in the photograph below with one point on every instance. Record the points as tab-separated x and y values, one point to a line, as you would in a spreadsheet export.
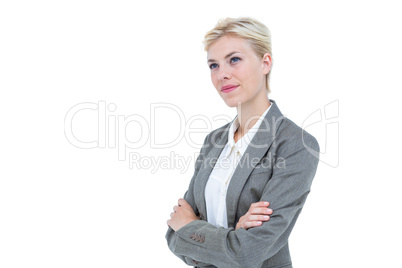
278	166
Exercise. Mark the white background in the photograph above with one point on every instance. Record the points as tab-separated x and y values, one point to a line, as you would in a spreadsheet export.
62	206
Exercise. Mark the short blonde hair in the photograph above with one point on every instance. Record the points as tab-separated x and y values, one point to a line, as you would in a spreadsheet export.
252	30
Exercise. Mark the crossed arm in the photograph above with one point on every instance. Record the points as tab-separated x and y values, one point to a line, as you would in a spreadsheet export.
245	246
183	214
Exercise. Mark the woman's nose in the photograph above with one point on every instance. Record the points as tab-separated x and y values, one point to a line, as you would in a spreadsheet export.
224	73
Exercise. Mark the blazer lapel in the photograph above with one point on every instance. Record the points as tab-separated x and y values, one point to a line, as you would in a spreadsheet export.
257	148
253	154
218	142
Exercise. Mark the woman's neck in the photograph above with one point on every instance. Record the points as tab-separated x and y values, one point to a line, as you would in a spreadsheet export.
248	114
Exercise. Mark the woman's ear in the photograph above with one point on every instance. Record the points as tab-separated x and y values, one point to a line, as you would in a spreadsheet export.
267	63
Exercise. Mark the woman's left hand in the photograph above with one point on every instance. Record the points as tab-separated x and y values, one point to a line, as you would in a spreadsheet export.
182	214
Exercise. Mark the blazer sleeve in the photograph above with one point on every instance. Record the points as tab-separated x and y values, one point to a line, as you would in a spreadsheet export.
286	191
171	236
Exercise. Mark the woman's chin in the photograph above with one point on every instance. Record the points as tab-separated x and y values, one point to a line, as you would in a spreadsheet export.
232	102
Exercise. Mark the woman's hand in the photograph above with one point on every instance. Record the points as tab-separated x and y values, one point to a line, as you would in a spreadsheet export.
257	213
182	214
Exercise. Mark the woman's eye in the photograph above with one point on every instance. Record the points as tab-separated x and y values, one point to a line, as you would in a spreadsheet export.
213	66
234	59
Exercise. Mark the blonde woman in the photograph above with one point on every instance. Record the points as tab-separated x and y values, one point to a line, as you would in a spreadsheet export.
253	174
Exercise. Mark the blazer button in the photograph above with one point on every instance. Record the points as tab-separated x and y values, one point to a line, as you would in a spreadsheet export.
193	236
198	238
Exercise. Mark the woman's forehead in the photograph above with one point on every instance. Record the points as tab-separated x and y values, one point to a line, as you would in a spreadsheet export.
226	45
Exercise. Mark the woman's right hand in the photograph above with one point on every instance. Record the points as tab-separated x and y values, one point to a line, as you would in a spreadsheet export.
257	213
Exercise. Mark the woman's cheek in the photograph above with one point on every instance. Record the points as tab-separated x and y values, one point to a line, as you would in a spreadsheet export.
215	82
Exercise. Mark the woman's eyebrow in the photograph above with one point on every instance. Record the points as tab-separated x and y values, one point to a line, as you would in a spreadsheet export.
227	56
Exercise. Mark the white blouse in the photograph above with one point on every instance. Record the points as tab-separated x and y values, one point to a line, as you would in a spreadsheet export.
218	182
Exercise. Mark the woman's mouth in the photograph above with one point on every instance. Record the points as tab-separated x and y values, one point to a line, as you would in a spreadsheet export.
228	88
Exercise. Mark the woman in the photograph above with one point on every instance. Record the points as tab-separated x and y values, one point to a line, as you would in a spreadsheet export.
253	175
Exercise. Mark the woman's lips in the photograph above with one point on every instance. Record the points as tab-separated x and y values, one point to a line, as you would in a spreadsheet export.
228	88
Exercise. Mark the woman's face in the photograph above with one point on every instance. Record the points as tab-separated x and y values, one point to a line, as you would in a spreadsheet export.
237	73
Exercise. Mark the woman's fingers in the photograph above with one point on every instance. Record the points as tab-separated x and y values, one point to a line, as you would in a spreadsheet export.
260	210
258	218
257	214
251	224
250	220
260	204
